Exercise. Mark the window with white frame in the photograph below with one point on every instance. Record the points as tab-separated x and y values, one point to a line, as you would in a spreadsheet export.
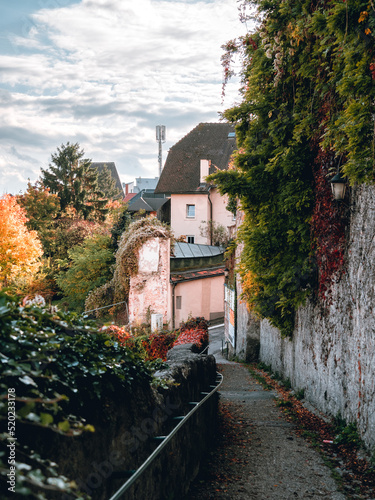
190	211
178	301
190	239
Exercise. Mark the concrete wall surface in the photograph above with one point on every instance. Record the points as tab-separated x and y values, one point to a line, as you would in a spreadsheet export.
183	225
220	214
189	226
332	354
247	342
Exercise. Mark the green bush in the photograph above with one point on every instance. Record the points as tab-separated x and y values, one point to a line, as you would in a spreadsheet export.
90	265
59	366
346	434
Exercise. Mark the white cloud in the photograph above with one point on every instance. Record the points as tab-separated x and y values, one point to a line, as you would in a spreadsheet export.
104	72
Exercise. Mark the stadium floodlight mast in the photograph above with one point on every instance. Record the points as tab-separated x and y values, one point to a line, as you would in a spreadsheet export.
160	137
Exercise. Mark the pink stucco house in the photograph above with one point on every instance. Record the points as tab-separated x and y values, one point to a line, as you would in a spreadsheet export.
197	275
188	280
194	202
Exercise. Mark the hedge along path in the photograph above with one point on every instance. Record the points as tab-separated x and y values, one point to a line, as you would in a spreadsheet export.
258	454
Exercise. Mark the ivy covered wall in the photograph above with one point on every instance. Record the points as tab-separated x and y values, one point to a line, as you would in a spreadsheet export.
332	353
307	111
149	288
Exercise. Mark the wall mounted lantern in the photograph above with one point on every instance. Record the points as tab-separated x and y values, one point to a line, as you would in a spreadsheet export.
338	185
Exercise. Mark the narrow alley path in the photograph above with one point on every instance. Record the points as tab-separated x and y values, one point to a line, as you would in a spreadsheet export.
258	456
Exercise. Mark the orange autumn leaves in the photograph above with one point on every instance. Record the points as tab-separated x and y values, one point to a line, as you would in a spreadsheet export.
20	249
363	18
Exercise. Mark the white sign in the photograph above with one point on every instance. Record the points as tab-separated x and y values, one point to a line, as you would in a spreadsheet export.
229	314
156	322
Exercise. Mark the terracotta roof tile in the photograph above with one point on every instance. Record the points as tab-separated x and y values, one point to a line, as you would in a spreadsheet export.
129	196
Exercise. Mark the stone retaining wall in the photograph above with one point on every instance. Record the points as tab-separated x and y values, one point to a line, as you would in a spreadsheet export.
332	354
124	431
171	474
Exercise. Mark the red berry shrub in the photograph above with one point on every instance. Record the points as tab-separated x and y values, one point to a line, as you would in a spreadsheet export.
194	331
158	344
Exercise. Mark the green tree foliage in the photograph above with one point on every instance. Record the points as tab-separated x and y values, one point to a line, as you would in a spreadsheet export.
308	102
120	226
76	184
215	233
42	208
59	233
117	289
107	184
72	232
90	266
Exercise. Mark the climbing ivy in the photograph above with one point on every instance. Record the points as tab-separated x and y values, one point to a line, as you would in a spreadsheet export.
307	109
136	234
60	370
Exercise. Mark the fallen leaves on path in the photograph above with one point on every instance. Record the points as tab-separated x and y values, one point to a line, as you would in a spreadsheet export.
228	467
357	474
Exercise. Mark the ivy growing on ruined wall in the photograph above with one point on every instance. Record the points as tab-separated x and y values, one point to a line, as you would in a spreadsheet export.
307	108
117	289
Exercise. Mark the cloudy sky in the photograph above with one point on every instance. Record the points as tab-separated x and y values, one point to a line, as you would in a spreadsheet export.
104	73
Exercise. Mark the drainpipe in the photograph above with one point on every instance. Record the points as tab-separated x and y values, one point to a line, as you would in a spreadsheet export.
211	211
173	305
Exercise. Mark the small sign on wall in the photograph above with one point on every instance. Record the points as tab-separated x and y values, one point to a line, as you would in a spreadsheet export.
156	322
229	314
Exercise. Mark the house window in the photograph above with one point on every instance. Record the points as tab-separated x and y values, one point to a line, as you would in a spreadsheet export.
178	301
190	239
190	211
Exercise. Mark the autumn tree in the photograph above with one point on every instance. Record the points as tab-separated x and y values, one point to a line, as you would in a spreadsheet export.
20	248
71	177
72	232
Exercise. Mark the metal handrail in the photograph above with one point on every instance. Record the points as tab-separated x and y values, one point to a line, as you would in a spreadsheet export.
104	307
166	440
205	349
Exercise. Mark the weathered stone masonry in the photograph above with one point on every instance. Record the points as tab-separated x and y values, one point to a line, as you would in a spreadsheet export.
332	354
124	429
150	288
